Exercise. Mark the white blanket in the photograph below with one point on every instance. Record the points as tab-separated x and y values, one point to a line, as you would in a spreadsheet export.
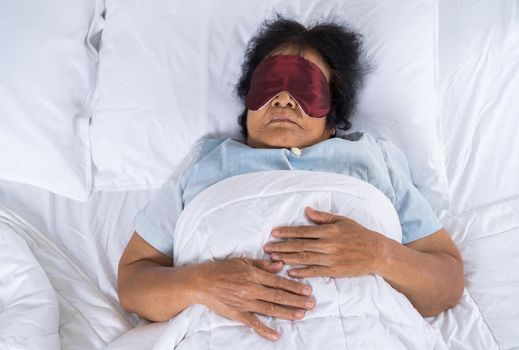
29	313
43	291
235	217
88	321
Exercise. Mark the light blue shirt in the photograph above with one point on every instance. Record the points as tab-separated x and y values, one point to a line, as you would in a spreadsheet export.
376	161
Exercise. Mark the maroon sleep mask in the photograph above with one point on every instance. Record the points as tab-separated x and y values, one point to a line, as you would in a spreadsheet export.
302	79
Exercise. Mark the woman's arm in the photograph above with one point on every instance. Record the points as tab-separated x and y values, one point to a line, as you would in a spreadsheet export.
149	286
428	271
238	288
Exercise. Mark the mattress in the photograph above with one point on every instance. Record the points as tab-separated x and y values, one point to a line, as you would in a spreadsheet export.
478	83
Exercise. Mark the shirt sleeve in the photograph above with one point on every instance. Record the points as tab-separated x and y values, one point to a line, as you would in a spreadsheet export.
416	215
155	223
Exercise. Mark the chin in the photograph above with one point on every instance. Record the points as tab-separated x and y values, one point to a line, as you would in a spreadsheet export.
277	142
281	136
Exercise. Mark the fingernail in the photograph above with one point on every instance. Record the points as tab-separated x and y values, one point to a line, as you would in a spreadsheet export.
275	232
310	303
275	256
267	247
273	336
307	290
300	314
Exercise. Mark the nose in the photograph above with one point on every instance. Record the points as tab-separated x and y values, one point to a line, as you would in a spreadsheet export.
283	99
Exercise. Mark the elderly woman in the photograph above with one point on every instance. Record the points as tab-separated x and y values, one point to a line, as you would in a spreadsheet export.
299	86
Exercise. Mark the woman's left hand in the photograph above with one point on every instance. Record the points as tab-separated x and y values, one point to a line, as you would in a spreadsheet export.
336	247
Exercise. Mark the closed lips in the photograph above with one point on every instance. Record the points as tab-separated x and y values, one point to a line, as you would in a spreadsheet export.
277	118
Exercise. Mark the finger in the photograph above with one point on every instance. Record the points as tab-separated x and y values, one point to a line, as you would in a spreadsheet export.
253	322
276	310
283	298
311	271
309	231
322	217
303	258
295	245
267	265
273	281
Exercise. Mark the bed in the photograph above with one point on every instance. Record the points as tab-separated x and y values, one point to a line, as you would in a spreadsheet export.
74	218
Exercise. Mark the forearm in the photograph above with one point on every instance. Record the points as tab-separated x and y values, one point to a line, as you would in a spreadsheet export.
156	292
432	281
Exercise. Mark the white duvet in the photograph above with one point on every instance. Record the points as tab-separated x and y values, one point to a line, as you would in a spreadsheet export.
351	313
88	321
46	302
29	313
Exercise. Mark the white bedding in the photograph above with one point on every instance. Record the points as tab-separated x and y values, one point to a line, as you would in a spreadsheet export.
462	327
479	85
48	70
479	79
92	234
234	218
29	314
25	290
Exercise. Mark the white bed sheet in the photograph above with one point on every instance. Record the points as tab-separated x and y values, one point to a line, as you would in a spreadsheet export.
479	85
479	78
479	89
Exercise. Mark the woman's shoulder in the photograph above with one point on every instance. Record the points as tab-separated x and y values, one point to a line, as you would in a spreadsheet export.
366	138
368	142
361	137
354	136
393	156
205	146
208	144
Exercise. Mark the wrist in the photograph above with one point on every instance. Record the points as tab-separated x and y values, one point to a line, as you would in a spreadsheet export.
196	286
383	251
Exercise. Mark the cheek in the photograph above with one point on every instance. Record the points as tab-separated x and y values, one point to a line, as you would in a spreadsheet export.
254	119
316	125
250	120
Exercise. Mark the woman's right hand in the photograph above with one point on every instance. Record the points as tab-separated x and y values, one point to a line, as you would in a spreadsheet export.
238	288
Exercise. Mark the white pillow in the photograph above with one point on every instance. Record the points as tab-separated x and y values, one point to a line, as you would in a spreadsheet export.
168	72
47	73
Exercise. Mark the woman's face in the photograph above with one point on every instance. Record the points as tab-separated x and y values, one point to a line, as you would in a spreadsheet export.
281	123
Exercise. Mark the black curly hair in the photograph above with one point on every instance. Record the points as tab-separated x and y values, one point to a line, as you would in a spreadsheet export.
339	47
